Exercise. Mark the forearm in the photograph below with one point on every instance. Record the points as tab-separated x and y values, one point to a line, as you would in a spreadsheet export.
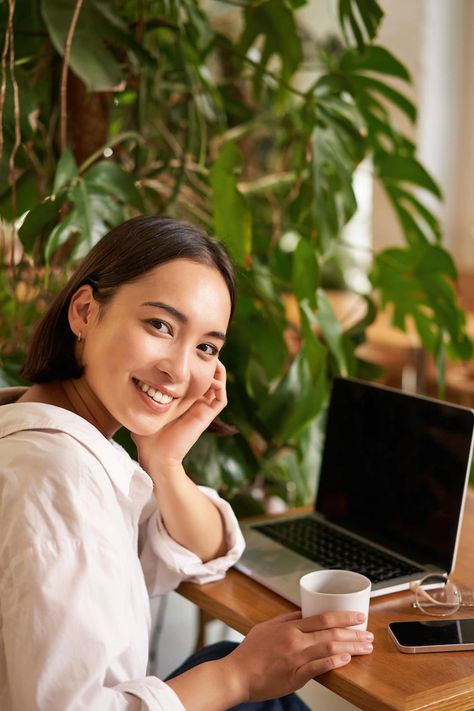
189	516
211	685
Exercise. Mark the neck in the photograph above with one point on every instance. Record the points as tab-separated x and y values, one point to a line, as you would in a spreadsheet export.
83	402
75	396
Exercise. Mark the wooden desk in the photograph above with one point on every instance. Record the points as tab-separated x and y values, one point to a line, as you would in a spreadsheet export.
386	680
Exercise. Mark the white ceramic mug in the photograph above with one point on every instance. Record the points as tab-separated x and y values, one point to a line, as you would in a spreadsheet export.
335	590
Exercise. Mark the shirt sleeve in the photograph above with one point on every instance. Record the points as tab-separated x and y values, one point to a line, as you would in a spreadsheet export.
166	563
64	613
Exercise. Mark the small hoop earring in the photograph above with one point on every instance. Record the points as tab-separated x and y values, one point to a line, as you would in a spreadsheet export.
79	337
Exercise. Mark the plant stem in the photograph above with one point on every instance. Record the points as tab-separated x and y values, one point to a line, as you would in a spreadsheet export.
3	87
16	114
63	90
113	142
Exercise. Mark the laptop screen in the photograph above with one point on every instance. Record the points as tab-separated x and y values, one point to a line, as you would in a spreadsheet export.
394	469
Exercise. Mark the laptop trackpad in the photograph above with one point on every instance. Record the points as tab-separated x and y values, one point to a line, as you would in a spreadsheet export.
276	567
271	563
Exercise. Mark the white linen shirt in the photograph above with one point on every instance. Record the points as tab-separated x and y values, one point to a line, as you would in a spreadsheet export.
82	545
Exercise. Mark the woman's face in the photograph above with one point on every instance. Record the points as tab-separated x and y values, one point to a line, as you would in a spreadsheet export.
152	351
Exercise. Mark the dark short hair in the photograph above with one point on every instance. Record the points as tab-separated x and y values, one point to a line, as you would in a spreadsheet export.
120	257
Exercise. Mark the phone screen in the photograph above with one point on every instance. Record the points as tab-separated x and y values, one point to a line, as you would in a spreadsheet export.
434	632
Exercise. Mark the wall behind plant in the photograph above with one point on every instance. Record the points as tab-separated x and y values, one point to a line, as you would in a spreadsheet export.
435	40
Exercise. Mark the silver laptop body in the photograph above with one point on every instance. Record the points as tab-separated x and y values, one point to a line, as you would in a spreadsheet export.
392	485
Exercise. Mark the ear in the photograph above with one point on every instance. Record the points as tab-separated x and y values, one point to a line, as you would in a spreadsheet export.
82	309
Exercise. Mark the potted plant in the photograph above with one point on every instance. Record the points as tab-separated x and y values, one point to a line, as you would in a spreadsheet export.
108	109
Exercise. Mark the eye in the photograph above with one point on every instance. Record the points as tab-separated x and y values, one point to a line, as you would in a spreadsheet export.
208	349
159	325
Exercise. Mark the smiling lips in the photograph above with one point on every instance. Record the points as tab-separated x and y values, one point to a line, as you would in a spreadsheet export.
154	394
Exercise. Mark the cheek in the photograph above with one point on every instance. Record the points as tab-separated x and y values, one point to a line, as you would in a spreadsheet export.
113	355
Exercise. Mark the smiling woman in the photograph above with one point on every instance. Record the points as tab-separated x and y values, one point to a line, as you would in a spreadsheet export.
160	334
86	533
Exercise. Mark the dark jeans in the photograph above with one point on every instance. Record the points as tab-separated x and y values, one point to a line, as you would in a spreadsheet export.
221	649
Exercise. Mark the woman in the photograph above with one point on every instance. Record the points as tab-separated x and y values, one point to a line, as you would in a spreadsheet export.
86	534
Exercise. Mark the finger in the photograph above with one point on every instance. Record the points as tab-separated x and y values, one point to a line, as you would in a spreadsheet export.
221	373
220	376
320	666
331	619
342	634
331	647
215	395
218	390
215	400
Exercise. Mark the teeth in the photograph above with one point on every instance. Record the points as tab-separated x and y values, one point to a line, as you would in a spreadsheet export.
154	394
161	397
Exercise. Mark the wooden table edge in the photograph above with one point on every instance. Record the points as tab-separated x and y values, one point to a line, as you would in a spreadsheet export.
222	599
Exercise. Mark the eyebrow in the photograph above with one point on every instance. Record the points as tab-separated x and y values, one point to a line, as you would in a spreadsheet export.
181	317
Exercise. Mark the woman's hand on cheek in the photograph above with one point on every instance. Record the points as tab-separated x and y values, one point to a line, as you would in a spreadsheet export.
174	440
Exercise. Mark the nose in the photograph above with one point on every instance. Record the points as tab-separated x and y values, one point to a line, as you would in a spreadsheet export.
176	363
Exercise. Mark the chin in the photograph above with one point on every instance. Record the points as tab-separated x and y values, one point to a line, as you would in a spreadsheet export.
148	427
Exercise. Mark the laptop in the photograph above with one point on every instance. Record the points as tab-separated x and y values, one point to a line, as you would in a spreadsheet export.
393	479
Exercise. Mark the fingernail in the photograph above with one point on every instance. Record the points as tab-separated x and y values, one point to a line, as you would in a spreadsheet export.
367	647
368	636
360	617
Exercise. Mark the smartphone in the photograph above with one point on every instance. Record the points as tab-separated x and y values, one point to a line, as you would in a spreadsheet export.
433	635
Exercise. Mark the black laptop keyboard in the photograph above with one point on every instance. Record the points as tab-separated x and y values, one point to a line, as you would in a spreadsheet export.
332	549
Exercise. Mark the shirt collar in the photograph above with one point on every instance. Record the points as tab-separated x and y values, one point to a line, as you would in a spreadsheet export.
21	416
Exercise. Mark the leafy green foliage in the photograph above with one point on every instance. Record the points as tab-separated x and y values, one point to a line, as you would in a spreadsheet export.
232	219
204	119
98	32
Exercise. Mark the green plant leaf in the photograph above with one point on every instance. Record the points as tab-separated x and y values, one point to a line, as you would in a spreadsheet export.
363	83
375	59
436	260
66	171
418	281
334	201
268	345
305	277
28	106
276	23
412	230
371	14
332	333
61	234
93	213
114	29
299	395
404	199
369	11
405	169
112	178
37	219
232	220
90	57
293	403
103	212
244	505
237	462
202	461
295	4
256	380
429	334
